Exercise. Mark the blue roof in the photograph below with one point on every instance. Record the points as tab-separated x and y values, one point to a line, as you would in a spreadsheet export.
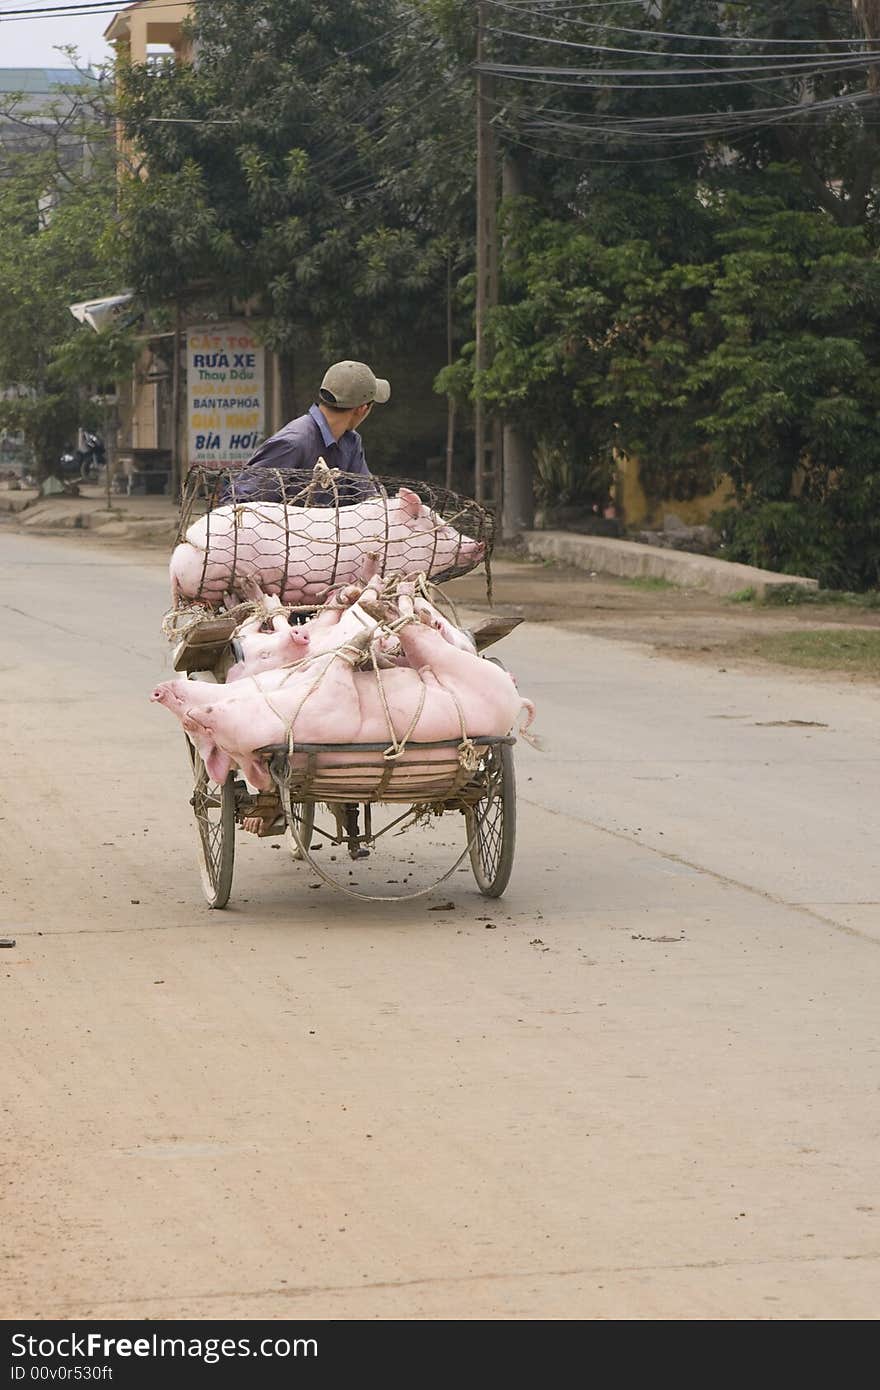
43	80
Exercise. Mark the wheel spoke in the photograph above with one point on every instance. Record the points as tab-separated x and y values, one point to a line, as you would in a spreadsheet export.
491	822
214	811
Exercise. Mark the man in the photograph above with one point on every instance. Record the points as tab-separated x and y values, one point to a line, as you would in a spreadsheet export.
328	430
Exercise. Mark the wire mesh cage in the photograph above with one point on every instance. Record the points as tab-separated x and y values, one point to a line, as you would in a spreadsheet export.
300	533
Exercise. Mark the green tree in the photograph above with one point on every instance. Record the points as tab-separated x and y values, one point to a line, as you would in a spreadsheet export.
311	160
53	224
794	384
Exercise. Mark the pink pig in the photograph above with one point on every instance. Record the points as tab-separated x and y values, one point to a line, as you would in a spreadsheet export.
300	552
258	650
267	641
331	702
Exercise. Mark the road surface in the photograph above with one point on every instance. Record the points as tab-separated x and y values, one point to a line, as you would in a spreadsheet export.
643	1085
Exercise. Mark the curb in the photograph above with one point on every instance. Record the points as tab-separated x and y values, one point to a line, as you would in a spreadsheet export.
13	504
63	516
632	560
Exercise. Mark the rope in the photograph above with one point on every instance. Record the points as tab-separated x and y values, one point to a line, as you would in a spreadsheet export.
434	594
286	800
397	747
178	623
346	652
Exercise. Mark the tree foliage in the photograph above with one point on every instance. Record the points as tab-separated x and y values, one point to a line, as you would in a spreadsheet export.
54	216
306	162
692	278
689	276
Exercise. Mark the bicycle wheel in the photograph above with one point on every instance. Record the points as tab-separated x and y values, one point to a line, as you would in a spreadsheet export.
491	822
214	810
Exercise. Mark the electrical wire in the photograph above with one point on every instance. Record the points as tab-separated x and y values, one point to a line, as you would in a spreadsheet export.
516	76
797	69
670	33
81	11
770	59
692	120
579	158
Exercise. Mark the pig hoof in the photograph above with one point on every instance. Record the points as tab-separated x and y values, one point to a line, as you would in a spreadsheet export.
380	611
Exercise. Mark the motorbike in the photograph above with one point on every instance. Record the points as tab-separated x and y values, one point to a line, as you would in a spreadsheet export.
86	461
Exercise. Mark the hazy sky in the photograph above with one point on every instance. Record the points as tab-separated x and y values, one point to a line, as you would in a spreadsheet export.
28	43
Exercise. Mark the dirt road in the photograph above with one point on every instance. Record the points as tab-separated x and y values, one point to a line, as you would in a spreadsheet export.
642	1085
690	624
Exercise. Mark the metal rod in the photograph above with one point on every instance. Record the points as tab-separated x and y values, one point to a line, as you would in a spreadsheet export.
279	749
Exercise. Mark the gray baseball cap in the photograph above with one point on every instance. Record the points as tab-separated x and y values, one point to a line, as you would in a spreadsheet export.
350	384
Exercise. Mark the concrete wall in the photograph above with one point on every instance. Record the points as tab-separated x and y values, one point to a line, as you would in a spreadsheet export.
636	509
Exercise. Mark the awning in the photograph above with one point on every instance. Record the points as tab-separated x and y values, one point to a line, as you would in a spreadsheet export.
102	314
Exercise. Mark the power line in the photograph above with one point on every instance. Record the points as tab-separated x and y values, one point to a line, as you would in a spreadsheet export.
771	59
796	69
668	33
587	163
96	8
539	76
695	117
189	120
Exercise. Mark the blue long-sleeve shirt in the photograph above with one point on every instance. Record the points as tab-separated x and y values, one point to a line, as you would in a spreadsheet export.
299	445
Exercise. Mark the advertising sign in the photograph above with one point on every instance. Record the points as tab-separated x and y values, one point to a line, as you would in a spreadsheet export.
226	394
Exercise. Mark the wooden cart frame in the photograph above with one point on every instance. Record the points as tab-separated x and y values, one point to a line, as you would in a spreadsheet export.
485	796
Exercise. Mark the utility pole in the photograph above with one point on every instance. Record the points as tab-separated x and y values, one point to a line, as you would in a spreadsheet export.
517	493
450	403
174	482
487	450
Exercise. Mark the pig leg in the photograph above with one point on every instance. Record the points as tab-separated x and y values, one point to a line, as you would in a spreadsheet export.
275	614
269	609
433	618
369	566
217	763
338	605
361	616
484	692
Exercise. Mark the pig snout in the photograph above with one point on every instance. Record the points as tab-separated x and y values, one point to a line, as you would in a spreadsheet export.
471	549
173	695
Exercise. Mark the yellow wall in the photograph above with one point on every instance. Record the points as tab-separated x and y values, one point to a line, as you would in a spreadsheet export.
144	412
151	21
130	32
637	509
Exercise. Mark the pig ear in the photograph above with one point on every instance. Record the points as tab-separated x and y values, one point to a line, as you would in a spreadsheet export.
218	764
412	503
